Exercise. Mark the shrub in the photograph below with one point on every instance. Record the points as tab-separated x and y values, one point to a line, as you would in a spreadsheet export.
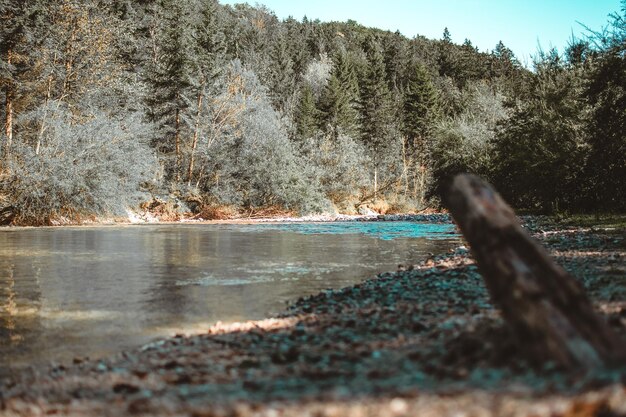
92	165
340	165
252	163
465	143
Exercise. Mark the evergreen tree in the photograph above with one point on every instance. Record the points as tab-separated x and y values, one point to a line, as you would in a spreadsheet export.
346	71
208	59
503	61
297	46
339	100
376	108
306	114
282	77
508	73
605	169
420	103
540	150
472	64
446	59
208	43
168	79
395	59
420	113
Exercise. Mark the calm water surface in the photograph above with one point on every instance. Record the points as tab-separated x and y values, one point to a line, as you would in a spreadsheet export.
71	292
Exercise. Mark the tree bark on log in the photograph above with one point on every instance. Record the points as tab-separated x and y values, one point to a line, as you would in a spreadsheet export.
546	307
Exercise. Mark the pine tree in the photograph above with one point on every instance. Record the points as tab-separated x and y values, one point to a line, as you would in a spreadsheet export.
282	78
395	59
168	79
503	62
420	104
376	108
606	93
419	116
339	100
347	74
208	60
208	40
508	73
472	65
447	57
540	149
306	114
297	47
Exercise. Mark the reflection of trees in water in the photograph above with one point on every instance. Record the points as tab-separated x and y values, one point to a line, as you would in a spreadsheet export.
9	307
172	254
20	304
186	254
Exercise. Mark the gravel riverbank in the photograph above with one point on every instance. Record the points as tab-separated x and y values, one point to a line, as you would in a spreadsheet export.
421	340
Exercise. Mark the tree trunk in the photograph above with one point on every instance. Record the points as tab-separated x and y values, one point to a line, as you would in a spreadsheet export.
405	166
42	126
194	143
422	172
546	307
375	183
8	120
177	143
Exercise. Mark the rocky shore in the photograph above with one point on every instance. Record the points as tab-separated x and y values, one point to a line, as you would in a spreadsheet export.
423	340
420	218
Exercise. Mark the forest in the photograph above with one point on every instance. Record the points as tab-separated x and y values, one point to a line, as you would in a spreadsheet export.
213	109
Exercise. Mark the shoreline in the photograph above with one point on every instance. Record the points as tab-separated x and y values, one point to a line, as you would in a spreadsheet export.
421	218
423	338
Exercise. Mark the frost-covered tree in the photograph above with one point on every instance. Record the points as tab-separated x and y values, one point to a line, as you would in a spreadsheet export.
317	74
340	165
250	162
94	164
465	143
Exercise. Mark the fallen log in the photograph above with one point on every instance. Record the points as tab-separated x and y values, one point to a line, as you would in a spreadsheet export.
546	307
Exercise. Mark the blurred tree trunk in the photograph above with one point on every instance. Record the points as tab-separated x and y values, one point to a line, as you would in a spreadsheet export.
546	307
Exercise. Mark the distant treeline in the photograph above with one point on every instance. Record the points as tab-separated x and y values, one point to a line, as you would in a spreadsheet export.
106	104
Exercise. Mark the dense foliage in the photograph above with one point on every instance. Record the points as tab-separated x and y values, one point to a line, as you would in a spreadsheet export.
105	104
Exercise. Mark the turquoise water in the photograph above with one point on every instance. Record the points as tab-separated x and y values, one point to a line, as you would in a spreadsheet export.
379	230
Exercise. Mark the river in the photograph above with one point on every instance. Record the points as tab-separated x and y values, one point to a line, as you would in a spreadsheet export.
91	291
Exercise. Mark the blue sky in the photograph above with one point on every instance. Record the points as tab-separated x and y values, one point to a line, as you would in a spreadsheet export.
522	25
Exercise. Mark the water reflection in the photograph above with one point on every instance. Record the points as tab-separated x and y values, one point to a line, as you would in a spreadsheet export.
20	308
91	291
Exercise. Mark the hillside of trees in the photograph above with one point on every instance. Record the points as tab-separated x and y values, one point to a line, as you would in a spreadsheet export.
108	104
